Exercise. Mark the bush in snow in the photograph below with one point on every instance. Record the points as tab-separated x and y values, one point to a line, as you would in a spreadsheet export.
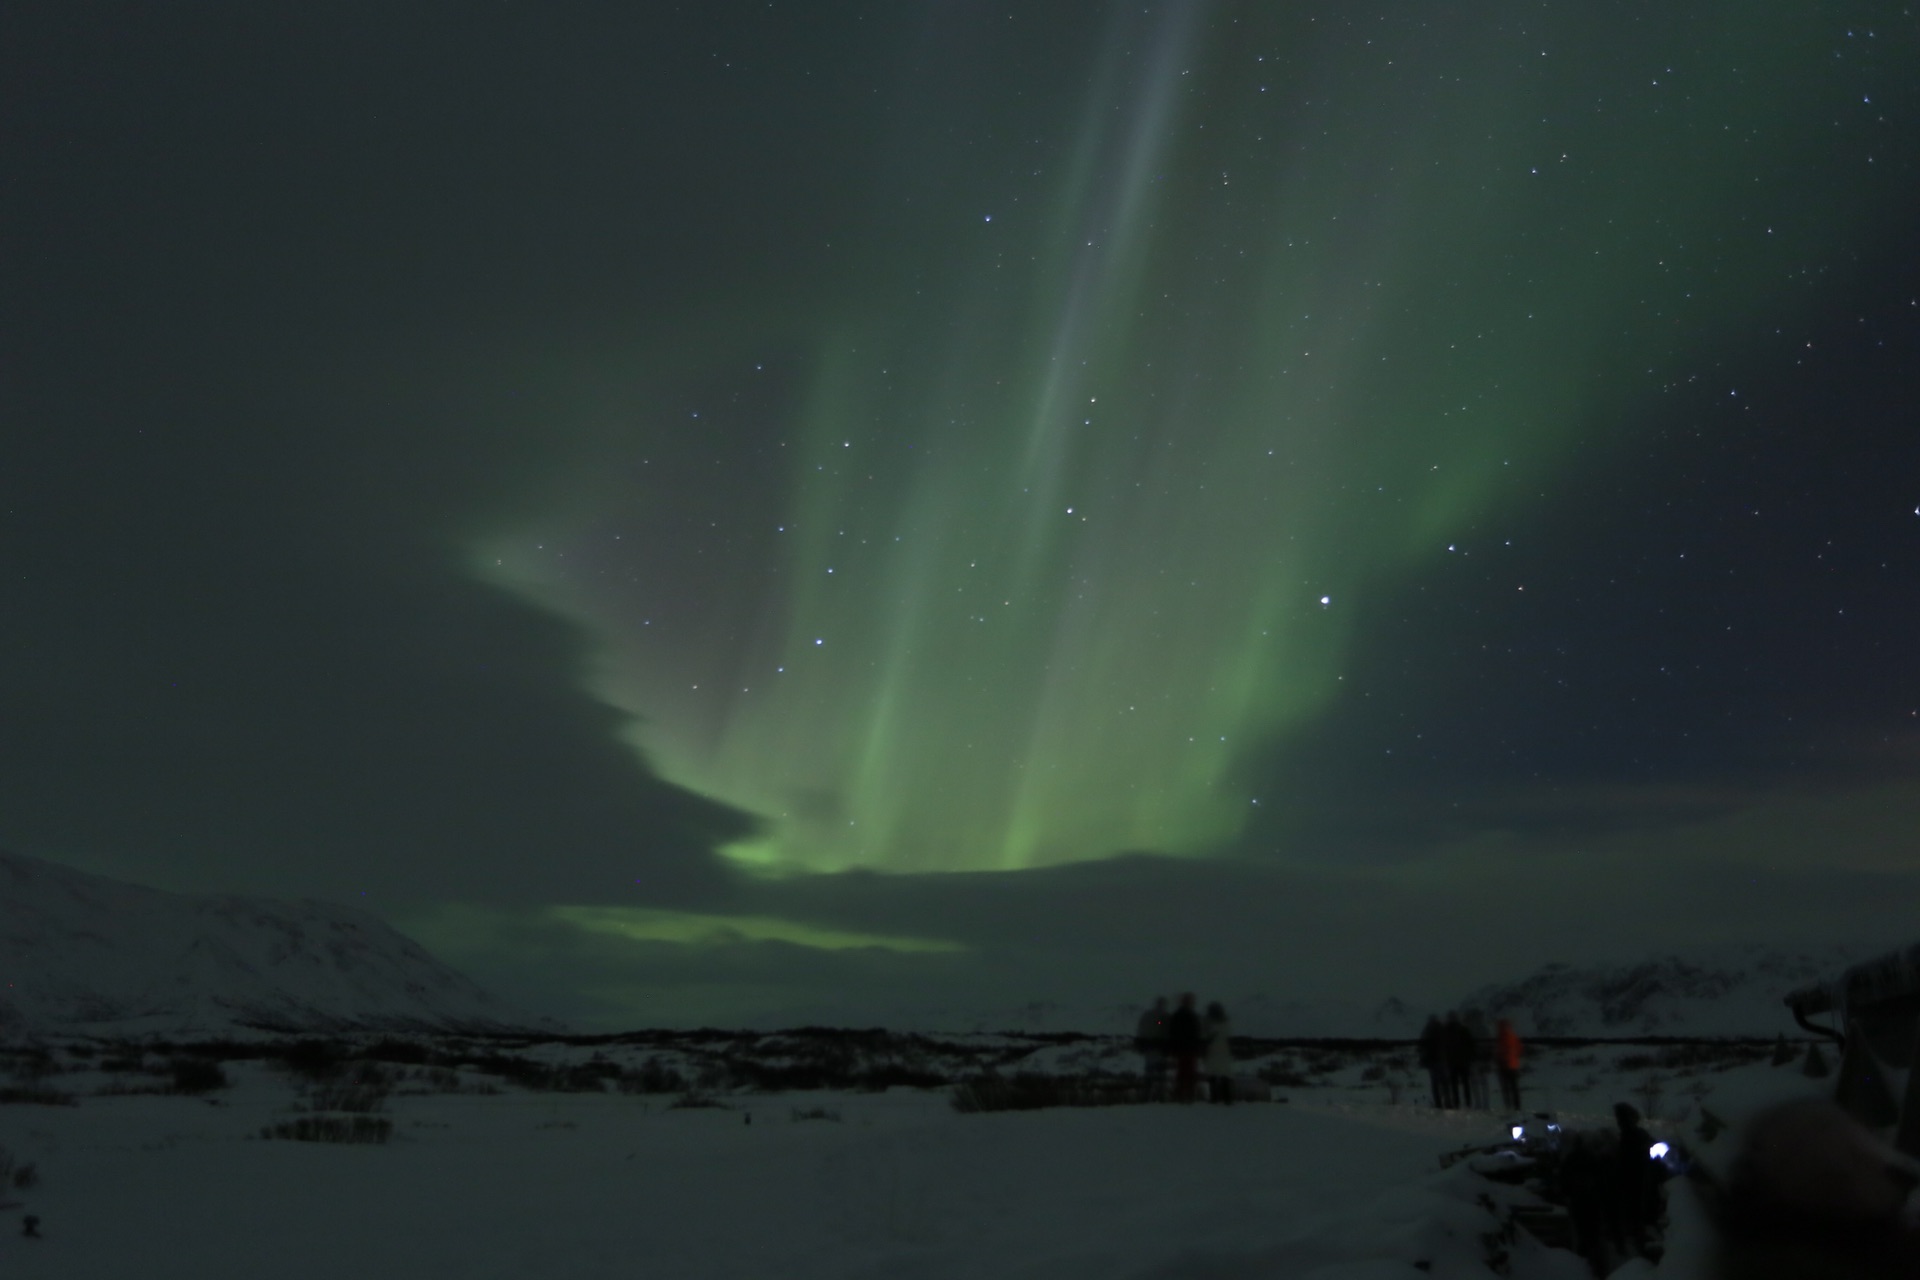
21	1178
445	1080
197	1075
29	1066
314	1059
1695	1056
652	1078
693	1099
1285	1075
359	1096
404	1052
346	1129
1033	1092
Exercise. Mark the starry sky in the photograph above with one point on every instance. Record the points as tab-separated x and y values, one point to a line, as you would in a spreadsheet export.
758	512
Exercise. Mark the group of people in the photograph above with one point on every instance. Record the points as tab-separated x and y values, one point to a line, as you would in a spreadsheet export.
1192	1044
1460	1055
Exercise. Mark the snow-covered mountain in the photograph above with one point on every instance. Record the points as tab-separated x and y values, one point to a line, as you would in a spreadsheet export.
80	953
1733	991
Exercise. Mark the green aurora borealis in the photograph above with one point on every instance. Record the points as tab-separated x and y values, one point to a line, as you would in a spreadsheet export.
884	513
1142	363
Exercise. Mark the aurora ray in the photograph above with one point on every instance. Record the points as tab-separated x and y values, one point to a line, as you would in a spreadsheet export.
1125	407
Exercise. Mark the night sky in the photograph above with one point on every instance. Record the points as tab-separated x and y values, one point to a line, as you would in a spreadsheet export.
734	511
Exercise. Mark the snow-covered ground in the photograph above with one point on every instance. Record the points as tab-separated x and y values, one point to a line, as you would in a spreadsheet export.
1337	1182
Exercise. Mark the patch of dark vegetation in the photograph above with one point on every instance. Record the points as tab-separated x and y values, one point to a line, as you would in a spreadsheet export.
198	1075
653	1077
547	1077
427	1080
21	1178
345	1129
814	1113
1261	1046
30	1064
1034	1092
1285	1075
1698	1055
362	1099
879	1079
694	1100
314	1059
409	1053
361	1088
34	1096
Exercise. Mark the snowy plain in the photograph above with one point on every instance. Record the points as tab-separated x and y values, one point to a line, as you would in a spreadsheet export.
1342	1180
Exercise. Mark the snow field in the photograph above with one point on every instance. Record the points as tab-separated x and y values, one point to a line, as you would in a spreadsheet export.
1335	1184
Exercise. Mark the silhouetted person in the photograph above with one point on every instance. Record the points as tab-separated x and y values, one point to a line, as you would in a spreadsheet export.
1184	1043
1150	1038
1217	1030
1506	1058
1433	1058
1630	1200
1456	1047
1814	1196
1583	1181
1481	1074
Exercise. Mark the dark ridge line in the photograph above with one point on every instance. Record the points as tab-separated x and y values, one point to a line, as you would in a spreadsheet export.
1244	1046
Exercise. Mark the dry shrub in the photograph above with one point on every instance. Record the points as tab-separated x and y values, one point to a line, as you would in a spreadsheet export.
1035	1092
344	1129
348	1096
693	1099
198	1075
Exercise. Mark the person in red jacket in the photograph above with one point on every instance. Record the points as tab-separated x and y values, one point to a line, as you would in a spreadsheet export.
1506	1057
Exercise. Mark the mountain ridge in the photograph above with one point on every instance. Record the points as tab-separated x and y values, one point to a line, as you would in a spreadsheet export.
86	954
1726	991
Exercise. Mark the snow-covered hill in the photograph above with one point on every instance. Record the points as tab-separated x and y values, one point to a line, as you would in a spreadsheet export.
84	954
1725	991
1736	991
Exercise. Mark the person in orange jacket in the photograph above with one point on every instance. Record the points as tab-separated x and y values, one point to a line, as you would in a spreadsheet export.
1506	1057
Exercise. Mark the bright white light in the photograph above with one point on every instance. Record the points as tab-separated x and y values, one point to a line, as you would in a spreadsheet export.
1517	1131
1658	1150
1326	600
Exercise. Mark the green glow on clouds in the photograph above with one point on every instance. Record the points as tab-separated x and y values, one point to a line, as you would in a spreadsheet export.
695	929
1099	466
